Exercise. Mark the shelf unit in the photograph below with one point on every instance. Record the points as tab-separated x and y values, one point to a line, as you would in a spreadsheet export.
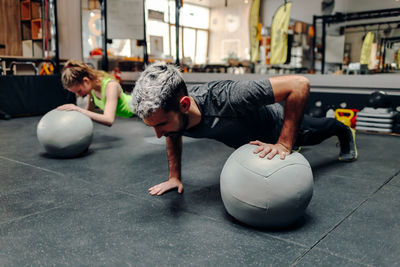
25	10
33	27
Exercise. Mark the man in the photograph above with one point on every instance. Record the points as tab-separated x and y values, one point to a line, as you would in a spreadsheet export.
233	112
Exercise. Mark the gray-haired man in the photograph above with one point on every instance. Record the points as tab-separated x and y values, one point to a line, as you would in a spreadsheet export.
233	112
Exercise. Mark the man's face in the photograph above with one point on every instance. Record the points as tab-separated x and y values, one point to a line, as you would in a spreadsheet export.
167	123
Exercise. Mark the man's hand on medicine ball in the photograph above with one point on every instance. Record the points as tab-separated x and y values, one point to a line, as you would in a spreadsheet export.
270	150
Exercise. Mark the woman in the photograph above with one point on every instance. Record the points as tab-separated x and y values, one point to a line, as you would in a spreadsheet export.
106	93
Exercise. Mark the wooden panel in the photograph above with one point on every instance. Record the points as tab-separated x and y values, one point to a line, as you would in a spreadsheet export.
10	28
69	29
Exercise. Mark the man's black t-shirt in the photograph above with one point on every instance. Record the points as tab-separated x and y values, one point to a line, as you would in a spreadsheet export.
237	112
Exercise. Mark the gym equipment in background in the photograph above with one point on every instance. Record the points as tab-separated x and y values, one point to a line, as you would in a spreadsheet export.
317	111
46	68
378	99
65	134
396	121
345	116
266	193
4	116
378	115
375	119
330	112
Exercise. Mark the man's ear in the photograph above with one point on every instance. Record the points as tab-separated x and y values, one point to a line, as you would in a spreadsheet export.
184	104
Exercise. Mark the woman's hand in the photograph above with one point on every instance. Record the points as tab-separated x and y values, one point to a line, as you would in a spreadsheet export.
69	107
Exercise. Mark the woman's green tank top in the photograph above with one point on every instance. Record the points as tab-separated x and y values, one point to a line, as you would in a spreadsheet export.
123	109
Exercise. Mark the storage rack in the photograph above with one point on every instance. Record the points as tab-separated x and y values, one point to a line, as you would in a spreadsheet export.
344	17
38	28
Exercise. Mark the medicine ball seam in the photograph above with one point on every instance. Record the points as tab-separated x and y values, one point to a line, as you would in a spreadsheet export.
266	208
262	175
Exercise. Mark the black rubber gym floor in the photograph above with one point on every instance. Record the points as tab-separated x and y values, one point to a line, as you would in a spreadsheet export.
96	211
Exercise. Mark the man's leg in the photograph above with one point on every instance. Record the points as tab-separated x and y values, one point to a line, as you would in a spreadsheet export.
315	130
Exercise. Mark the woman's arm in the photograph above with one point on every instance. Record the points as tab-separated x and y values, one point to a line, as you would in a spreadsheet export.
113	91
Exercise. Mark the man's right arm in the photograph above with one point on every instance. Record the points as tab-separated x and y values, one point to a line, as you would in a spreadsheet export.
174	153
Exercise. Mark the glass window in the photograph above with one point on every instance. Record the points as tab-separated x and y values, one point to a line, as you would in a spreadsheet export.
160	31
195	16
201	47
158	5
191	16
91	31
120	47
189	45
173	42
171	12
158	28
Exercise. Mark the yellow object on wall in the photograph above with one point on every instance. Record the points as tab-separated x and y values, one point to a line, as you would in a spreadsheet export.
279	34
398	58
366	48
253	24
